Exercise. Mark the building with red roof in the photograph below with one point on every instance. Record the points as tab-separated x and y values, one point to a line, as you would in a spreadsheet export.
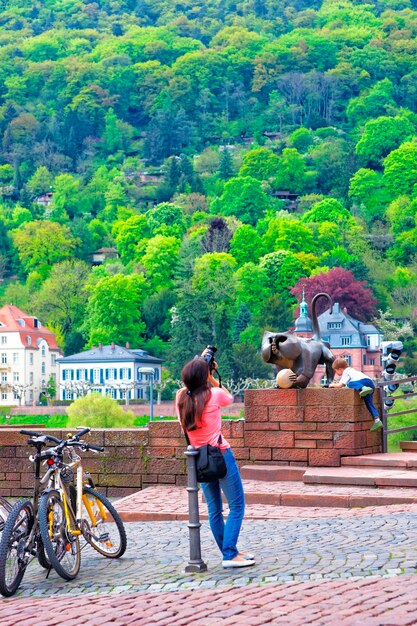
28	354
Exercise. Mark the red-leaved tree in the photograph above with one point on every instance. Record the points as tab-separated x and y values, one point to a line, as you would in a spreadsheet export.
343	288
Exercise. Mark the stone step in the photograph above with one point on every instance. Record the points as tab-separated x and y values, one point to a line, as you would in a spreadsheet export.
271	473
408	446
364	476
403	460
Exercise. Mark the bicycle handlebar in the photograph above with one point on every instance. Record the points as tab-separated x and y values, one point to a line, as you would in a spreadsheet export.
31	433
64	443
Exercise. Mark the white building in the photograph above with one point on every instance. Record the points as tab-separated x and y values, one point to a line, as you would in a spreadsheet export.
110	370
28	357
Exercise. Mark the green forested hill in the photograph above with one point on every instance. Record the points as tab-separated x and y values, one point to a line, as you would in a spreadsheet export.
173	132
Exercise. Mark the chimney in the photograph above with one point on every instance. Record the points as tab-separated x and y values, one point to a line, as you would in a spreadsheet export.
100	346
112	345
127	345
93	347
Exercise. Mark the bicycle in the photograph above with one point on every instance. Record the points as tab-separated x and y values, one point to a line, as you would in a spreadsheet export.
50	526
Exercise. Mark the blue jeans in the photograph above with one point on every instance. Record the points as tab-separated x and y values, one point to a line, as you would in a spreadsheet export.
226	534
369	399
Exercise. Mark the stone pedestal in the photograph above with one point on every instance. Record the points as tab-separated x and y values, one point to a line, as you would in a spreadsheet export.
311	426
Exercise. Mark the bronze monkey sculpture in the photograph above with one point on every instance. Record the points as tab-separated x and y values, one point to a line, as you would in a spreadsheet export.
286	350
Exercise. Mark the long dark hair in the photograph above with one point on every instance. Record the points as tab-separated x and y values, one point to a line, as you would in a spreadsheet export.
196	394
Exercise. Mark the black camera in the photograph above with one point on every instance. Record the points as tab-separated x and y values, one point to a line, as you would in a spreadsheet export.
209	356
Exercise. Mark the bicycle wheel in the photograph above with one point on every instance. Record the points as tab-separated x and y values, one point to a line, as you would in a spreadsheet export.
101	525
61	546
14	551
41	554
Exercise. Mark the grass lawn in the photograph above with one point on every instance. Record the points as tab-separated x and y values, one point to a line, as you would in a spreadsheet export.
401	421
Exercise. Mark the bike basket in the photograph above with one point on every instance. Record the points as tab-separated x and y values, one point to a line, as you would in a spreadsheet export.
67	474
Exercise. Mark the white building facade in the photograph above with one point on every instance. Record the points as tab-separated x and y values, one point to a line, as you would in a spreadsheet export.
28	357
110	370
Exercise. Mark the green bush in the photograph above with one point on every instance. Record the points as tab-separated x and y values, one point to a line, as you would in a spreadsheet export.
98	411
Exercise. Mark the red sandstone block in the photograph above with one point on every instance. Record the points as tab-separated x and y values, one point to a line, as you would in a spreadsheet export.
315	435
120	480
285	414
349	440
269	426
326	397
299	426
316	414
236	443
260	454
12	476
162	442
12	437
343	413
326	458
340	426
120	492
181	480
149	479
241	454
290	455
124	452
237	428
26	481
262	439
165	479
162	452
324	444
5	492
129	466
125	437
15	465
256	414
271	397
165	429
303	443
12	452
20	493
165	466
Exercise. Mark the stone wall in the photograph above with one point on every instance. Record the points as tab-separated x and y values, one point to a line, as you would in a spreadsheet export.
281	427
310	426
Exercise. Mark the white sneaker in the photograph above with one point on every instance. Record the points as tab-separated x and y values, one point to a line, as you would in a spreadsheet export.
238	561
247	555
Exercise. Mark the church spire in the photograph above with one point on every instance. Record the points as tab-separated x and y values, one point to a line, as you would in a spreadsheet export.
303	323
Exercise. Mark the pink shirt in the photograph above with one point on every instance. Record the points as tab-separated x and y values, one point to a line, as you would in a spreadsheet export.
211	421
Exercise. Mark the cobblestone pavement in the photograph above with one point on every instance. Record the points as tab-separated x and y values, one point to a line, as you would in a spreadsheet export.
330	570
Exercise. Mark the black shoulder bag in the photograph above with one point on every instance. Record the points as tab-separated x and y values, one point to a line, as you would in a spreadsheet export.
210	463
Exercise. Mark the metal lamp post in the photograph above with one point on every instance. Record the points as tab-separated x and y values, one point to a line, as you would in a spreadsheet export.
149	372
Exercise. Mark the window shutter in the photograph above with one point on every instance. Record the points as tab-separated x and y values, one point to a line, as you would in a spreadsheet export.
121	373
101	376
64	374
91	376
129	373
78	374
72	374
106	375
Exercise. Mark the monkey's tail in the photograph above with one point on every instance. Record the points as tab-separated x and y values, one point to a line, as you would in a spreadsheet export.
316	328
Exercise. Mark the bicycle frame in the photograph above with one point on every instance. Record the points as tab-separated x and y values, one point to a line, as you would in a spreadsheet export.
54	479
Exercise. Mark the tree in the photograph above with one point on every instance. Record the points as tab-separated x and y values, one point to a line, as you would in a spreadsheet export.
246	245
98	411
217	237
166	219
242	197
369	195
342	287
128	233
62	299
288	234
113	310
160	260
291	173
260	163
400	170
381	136
328	210
40	244
65	199
226	169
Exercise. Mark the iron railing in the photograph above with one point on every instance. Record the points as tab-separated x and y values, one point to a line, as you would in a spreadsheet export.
385	414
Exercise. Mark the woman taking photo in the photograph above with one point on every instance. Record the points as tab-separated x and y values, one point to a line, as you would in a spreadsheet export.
198	407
